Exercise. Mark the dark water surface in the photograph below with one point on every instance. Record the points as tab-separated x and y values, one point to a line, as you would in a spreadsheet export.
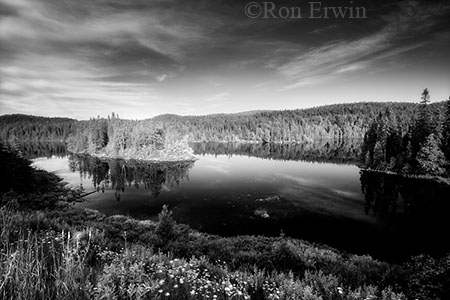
313	192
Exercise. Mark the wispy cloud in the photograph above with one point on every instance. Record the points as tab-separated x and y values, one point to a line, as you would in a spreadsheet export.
334	59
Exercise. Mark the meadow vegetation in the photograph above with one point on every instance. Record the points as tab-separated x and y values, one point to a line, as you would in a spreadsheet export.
70	253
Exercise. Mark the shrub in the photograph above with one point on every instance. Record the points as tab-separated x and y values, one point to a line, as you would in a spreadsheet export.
165	229
427	277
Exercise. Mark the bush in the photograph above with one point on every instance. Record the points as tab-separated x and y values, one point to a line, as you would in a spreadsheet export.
165	229
427	277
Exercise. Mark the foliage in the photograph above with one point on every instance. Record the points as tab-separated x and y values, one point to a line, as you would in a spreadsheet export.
127	139
430	158
427	277
165	230
332	122
77	264
446	131
414	147
18	127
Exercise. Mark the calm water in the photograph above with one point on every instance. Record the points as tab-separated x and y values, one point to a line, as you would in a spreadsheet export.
268	189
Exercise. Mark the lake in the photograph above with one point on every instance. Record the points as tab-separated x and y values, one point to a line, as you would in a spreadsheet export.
312	191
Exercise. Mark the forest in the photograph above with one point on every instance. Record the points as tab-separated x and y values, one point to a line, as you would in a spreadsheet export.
419	146
332	122
114	136
408	138
18	128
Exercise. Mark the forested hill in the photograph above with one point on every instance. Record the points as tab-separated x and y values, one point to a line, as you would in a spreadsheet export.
333	121
20	127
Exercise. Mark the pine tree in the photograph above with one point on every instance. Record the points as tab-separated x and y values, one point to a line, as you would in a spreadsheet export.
446	131
165	229
422	128
430	158
407	159
379	158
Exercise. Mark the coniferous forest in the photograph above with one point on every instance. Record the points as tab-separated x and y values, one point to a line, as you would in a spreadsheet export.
333	122
421	145
407	138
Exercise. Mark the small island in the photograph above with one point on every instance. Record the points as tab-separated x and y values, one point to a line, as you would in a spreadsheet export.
127	139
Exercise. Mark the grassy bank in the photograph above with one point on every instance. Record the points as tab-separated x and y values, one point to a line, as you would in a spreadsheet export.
81	254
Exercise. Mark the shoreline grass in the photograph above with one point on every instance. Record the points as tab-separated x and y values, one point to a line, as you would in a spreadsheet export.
78	254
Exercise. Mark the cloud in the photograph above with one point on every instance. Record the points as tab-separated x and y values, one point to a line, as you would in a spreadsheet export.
161	78
218	99
334	59
350	68
61	85
106	52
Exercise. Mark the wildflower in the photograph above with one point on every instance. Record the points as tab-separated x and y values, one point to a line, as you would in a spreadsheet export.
181	281
160	291
340	290
175	286
167	294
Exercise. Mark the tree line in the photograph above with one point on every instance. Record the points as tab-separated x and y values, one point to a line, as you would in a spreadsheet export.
170	133
340	121
19	127
333	122
419	146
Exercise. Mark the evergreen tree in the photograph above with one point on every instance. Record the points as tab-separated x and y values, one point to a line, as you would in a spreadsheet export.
423	127
165	229
430	158
446	131
379	158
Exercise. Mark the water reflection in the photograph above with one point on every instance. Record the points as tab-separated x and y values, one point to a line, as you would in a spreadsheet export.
32	150
330	151
388	195
120	174
344	151
412	213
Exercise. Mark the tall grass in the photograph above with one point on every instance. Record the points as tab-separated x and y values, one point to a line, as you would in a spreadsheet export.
41	265
44	264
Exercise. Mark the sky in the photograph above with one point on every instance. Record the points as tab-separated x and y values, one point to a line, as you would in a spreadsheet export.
142	58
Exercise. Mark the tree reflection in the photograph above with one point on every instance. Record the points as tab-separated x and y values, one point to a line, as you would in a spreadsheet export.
390	195
31	150
325	150
120	174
